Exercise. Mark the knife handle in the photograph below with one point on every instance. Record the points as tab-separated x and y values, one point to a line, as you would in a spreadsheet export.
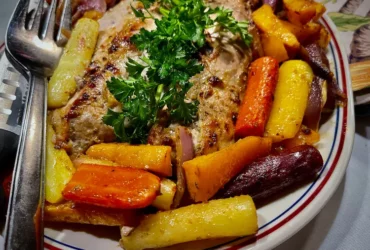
24	228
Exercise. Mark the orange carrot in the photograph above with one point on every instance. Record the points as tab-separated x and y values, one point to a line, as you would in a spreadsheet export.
255	109
114	187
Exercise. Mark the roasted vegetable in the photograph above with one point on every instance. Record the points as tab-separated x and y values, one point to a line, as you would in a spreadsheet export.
274	47
275	173
305	136
84	159
206	174
315	104
113	187
167	193
335	96
324	38
156	159
87	214
76	57
184	152
315	56
301	12
272	3
255	109
270	24
58	169
290	100
215	219
305	34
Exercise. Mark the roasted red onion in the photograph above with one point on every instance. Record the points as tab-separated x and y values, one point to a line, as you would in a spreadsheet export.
314	55
272	3
184	152
315	104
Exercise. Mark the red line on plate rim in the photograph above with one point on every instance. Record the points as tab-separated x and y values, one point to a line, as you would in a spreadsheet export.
2	47
332	167
50	247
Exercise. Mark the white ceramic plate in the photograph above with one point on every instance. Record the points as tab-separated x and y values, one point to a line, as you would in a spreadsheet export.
280	219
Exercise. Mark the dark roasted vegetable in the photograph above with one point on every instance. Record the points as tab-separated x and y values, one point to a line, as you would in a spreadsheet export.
184	152
272	3
315	104
274	173
316	57
335	96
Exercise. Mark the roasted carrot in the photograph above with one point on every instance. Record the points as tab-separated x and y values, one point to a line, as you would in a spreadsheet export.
206	174
257	102
114	187
155	159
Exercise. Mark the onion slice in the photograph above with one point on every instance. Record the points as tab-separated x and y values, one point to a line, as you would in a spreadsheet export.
184	152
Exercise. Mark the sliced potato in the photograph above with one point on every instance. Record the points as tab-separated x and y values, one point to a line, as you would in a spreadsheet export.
76	57
58	171
165	199
216	219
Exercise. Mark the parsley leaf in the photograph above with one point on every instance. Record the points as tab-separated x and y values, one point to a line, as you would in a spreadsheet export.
159	81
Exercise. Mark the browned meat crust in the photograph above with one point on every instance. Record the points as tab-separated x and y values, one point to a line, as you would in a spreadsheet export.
79	124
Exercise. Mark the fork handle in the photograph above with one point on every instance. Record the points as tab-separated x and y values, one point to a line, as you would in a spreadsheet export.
24	229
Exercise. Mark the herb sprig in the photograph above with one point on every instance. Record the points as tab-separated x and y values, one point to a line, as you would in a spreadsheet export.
160	80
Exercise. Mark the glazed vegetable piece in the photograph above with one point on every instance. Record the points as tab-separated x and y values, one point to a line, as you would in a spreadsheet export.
306	33
76	57
206	174
290	100
305	136
324	38
268	23
87	214
275	173
215	219
301	12
335	96
156	159
113	187
165	200
316	102
58	169
184	152
255	109
167	188
84	159
274	47
272	3
315	56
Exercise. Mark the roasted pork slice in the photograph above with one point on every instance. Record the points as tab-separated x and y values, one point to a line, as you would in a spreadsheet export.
220	86
79	124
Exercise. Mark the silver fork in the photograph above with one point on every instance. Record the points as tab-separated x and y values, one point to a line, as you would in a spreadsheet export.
33	49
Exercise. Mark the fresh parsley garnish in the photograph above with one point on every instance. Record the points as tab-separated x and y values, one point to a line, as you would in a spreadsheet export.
159	81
